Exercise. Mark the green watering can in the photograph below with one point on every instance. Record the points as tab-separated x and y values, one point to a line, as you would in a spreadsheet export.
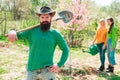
93	50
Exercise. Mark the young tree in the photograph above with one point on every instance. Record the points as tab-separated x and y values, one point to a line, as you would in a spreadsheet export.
80	19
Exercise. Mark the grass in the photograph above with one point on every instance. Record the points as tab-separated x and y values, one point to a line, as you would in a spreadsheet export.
108	77
3	71
65	78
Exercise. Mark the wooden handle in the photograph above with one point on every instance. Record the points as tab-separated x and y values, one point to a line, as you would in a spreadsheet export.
28	28
61	14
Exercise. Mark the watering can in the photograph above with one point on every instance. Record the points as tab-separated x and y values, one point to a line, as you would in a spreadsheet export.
93	50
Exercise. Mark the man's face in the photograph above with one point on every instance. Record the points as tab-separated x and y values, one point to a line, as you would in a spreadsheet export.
45	22
45	18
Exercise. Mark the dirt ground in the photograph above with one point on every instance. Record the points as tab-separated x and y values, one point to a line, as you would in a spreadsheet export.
13	59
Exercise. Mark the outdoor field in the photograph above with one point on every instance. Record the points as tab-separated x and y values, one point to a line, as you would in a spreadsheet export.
84	66
79	31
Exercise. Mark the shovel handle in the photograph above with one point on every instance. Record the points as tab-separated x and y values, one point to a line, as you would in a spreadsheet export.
70	15
31	27
28	28
34	26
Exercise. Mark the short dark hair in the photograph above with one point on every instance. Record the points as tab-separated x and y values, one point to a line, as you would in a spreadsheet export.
49	14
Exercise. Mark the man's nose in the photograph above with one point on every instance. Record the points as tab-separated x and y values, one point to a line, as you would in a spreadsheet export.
44	20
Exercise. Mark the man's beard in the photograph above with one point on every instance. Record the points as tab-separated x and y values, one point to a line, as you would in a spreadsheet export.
45	26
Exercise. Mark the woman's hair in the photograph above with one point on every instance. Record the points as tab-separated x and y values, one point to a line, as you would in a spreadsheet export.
101	20
111	20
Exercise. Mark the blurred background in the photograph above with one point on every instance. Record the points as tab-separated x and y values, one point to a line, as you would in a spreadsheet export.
19	14
79	33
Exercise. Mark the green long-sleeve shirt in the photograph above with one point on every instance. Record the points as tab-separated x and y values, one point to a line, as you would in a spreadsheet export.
113	35
42	46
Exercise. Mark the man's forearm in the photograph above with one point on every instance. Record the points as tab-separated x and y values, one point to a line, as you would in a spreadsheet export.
64	57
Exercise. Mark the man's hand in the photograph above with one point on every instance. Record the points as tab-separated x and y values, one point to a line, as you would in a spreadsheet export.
54	68
12	36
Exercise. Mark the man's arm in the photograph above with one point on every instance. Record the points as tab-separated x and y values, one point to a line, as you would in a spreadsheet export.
13	35
64	47
65	51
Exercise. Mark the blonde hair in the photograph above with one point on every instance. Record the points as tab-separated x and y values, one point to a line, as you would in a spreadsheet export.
101	20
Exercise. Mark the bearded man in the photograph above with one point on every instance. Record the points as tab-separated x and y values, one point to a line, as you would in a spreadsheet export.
42	43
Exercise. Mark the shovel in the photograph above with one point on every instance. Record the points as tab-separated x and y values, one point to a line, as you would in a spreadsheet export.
65	16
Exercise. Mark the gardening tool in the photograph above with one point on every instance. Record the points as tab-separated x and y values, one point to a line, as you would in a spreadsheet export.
66	16
92	50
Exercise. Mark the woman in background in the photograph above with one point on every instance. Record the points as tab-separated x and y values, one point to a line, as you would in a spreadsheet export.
111	44
101	40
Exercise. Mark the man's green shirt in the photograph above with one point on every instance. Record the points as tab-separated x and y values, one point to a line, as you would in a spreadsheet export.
42	46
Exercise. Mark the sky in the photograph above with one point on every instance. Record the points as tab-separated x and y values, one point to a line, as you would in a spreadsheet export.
103	2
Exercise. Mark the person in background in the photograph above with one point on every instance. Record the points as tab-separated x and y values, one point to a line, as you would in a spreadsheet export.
111	44
42	43
101	40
